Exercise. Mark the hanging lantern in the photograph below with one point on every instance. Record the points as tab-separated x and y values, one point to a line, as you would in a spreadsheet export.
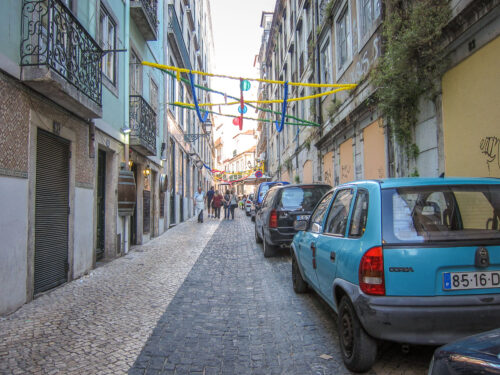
244	110
245	85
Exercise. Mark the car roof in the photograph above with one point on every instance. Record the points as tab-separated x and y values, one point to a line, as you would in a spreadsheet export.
300	185
388	183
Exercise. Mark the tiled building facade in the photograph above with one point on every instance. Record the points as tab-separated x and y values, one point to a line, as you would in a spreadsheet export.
77	113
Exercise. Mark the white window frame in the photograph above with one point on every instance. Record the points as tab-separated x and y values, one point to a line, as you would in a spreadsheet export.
375	22
326	69
106	43
345	10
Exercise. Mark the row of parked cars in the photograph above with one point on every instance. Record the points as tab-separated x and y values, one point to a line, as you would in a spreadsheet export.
413	261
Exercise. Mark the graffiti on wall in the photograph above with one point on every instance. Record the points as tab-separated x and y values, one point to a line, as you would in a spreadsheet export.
490	147
346	172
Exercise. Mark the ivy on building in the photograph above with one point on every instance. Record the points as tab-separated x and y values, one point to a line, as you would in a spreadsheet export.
412	63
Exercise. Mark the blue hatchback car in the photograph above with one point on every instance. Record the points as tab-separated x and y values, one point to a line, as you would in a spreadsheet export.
412	260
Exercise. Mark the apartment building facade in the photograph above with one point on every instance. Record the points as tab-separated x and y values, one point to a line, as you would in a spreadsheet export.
85	156
341	41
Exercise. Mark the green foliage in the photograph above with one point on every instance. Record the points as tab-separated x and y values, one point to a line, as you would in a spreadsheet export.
288	164
332	107
297	179
307	143
412	63
415	173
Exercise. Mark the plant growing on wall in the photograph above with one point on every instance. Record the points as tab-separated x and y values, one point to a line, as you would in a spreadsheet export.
297	179
332	107
412	63
288	164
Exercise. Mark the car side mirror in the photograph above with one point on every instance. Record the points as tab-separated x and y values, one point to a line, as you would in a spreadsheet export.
316	228
299	225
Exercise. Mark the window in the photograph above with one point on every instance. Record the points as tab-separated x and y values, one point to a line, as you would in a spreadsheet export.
135	74
441	213
107	41
359	215
342	34
339	212
326	66
369	11
318	214
153	97
171	93
181	110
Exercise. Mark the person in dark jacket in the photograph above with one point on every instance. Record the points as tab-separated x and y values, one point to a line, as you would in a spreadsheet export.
217	204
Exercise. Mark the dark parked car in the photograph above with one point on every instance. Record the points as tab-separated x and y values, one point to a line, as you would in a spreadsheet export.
283	205
478	354
261	193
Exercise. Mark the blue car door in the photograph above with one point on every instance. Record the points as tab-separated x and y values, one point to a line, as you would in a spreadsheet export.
332	241
306	248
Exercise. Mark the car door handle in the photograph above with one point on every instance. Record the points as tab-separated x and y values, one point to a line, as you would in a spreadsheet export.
332	256
313	249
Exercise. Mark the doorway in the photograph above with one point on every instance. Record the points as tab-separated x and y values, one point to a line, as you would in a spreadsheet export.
101	204
51	211
133	218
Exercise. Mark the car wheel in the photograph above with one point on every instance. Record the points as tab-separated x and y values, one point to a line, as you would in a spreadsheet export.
246	213
299	285
257	237
358	349
269	250
253	218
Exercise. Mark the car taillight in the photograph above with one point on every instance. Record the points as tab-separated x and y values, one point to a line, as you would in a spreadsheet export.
249	202
273	219
371	272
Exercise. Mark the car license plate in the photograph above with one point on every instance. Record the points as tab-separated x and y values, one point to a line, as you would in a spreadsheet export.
471	280
302	217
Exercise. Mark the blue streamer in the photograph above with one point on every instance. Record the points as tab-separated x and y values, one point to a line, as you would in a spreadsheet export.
279	128
204	118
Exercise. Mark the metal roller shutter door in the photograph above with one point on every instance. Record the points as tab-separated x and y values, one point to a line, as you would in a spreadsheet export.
51	211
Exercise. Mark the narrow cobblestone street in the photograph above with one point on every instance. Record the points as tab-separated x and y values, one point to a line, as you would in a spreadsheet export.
99	323
234	313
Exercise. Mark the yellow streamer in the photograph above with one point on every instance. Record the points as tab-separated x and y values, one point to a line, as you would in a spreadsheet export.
345	86
264	101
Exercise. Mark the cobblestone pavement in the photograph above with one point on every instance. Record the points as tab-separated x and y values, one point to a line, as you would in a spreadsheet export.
99	323
236	313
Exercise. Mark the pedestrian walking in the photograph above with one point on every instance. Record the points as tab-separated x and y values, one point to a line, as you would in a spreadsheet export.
233	203
225	200
217	204
210	196
199	204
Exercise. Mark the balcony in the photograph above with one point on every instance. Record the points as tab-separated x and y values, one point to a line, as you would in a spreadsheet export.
176	39
59	58
143	126
145	15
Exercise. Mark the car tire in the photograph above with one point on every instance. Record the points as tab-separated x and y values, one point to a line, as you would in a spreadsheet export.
246	213
257	237
299	284
269	250
253	218
358	349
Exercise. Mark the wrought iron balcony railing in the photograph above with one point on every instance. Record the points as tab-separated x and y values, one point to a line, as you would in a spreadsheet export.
145	15
143	126
53	37
175	30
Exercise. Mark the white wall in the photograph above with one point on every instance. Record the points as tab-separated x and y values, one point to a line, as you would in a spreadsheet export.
13	243
84	233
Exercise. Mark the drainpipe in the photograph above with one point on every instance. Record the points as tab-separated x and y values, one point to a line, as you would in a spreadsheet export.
126	66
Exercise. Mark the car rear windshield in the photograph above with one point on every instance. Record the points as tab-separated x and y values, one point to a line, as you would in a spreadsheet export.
301	197
263	191
441	213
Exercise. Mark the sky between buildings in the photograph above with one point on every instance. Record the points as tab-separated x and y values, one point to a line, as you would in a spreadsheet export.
237	38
